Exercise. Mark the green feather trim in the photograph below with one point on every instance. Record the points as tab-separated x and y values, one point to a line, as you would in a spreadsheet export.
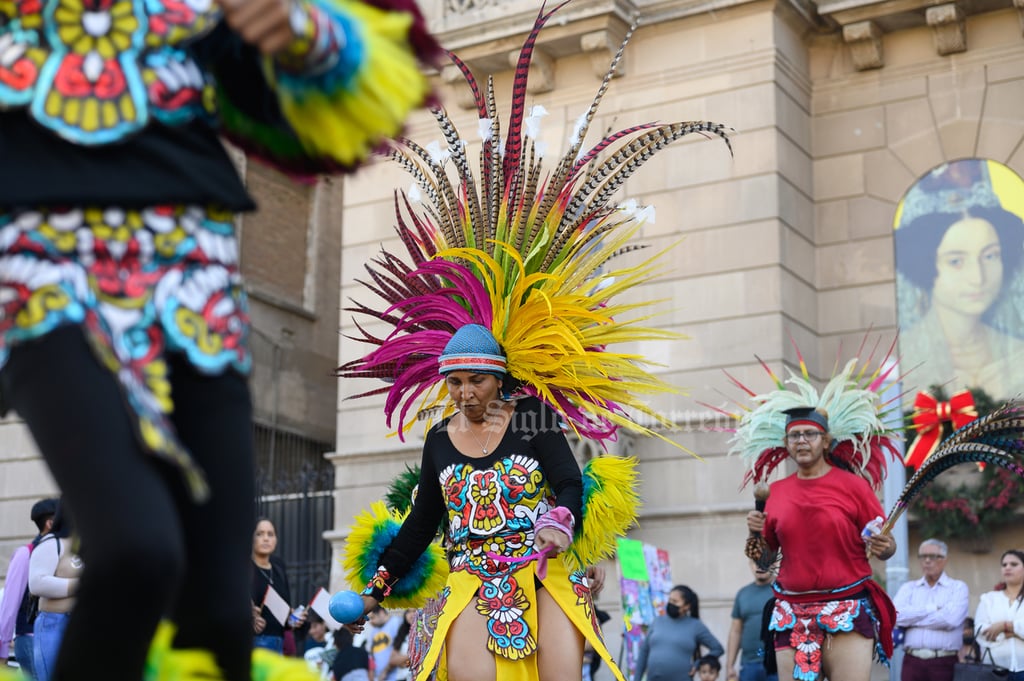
402	490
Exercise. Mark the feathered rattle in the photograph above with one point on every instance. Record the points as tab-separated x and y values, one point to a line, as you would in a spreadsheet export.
757	550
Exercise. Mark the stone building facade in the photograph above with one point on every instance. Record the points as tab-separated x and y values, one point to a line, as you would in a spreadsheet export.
839	108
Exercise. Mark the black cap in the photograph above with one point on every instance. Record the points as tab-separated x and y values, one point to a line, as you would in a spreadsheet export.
798	415
43	508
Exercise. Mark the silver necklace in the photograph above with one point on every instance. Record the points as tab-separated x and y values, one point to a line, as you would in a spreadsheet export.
483	446
267	574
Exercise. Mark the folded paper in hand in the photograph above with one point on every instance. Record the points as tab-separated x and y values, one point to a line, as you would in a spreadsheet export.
321	605
277	606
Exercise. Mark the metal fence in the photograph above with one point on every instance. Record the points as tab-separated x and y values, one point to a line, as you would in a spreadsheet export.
295	489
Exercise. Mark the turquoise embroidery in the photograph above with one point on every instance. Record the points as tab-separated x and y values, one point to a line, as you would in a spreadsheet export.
105	67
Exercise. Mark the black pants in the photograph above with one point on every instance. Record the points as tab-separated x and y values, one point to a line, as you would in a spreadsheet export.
149	551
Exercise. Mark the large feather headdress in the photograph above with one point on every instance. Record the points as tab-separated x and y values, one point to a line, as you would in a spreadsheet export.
857	419
525	252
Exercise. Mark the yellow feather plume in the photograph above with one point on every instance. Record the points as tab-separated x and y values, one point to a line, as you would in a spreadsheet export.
555	327
610	507
347	124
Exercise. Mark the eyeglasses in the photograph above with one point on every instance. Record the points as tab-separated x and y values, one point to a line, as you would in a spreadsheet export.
808	435
931	556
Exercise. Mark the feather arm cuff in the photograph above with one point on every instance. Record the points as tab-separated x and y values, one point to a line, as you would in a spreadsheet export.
610	506
369	537
344	87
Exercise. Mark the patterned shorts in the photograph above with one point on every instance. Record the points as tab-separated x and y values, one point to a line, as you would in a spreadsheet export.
804	627
141	283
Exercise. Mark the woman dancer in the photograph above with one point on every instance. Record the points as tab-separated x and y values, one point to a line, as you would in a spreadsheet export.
828	615
509	304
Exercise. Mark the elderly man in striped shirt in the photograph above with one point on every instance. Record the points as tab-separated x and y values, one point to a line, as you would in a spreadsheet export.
932	611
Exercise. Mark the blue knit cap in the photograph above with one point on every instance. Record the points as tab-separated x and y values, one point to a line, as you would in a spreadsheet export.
472	348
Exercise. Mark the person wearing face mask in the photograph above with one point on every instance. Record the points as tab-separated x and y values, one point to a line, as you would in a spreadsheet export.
969	651
674	640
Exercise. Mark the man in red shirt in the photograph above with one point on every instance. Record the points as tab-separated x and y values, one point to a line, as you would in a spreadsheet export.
820	518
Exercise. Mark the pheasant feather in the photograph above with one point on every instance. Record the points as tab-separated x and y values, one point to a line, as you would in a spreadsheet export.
525	252
996	439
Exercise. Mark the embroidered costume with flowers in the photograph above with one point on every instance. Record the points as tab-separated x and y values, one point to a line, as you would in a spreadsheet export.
140	254
492	508
492	505
123	320
821	592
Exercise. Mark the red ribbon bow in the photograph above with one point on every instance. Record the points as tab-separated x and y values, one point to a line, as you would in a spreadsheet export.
929	415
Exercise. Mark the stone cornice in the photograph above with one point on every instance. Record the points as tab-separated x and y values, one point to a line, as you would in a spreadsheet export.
483	37
978	57
894	15
864	22
657	11
488	36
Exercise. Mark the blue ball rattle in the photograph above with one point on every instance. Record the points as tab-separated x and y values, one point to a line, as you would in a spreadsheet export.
346	606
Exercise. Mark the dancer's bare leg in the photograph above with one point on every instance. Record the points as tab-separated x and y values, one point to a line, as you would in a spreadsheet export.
559	642
847	657
466	648
785	661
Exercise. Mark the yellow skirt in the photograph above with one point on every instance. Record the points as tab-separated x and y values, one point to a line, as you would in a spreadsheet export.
508	602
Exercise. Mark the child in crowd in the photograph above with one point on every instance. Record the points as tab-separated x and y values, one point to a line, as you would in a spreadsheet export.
708	668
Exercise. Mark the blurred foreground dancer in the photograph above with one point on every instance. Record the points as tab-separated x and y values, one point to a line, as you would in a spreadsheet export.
124	325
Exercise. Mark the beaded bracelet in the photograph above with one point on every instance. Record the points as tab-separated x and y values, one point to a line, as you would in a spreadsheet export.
379	586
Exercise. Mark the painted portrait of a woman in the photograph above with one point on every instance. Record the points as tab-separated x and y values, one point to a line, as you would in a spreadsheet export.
959	250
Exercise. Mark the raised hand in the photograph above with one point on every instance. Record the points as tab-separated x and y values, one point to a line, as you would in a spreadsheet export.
266	24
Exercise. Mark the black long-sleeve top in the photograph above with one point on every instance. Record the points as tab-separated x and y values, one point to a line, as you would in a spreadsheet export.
276	577
534	432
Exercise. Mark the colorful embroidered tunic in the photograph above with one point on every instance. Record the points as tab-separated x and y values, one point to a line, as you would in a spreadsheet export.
490	506
116	194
